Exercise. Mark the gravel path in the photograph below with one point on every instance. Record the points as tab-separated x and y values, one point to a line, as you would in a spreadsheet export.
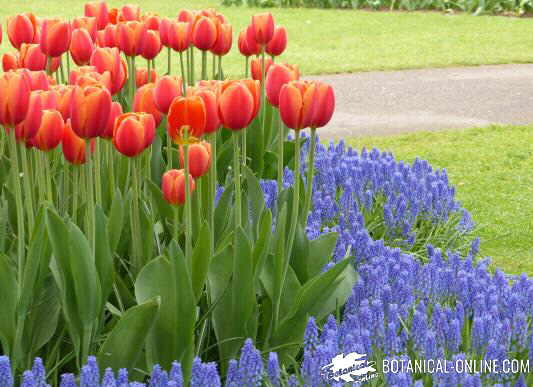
387	103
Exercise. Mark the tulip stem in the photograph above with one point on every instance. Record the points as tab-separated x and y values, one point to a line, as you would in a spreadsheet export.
111	168
49	65
136	221
281	139
27	186
214	66
188	209
219	75
169	60
237	179
46	161
310	175
74	172
91	226
204	65
68	65
97	168
246	66
212	188
148	68
263	96
62	70
183	75
295	200
192	67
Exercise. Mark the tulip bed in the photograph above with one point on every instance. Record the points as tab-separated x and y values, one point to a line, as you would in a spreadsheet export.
158	222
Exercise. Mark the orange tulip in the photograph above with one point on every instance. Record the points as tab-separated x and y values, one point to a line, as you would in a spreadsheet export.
204	33
129	12
87	23
257	73
144	102
81	46
14	98
210	98
186	16
278	44
238	104
164	27
98	10
113	15
130	37
74	147
186	113
108	59
88	76
107	37
277	76
151	45
166	89
55	37
64	99
152	21
39	80
10	61
133	133
116	110
224	40
173	186
50	132
22	28
39	102
325	105
199	158
297	104
179	36
262	28
89	110
141	76
32	58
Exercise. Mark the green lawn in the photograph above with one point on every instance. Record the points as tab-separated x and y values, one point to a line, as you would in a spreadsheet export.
492	169
330	41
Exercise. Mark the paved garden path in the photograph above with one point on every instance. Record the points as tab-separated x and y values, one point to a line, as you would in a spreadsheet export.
383	103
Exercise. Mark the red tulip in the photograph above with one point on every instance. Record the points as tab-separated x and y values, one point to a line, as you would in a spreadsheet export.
108	59
199	158
173	186
10	61
186	16
256	68
325	105
151	45
144	102
179	36
32	58
89	110
107	37
129	12
133	133
39	80
74	147
50	132
224	40
40	101
113	15
14	98
141	76
98	10
210	98
166	89
116	110
237	105
164	27
88	76
81	46
278	44
64	99
186	113
277	76
129	37
22	28
55	37
262	28
204	33
87	23
152	21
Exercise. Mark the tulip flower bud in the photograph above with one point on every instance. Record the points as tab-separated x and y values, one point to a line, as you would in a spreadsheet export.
116	110
81	46
55	37
144	102
277	76
199	158
210	98
247	45
186	16
50	132
40	101
141	76
166	89
22	28
108	59
238	104
151	45
179	36
262	28
10	61
164	27
278	44
224	40
256	68
129	37
113	16
64	99
32	58
88	76
297	104
186	113
133	133
107	37
204	33
98	10
152	21
89	110
129	12
39	80
86	23
74	147
14	98
173	186
325	105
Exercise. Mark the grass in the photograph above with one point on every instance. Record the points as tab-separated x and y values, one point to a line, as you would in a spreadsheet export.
333	41
492	170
